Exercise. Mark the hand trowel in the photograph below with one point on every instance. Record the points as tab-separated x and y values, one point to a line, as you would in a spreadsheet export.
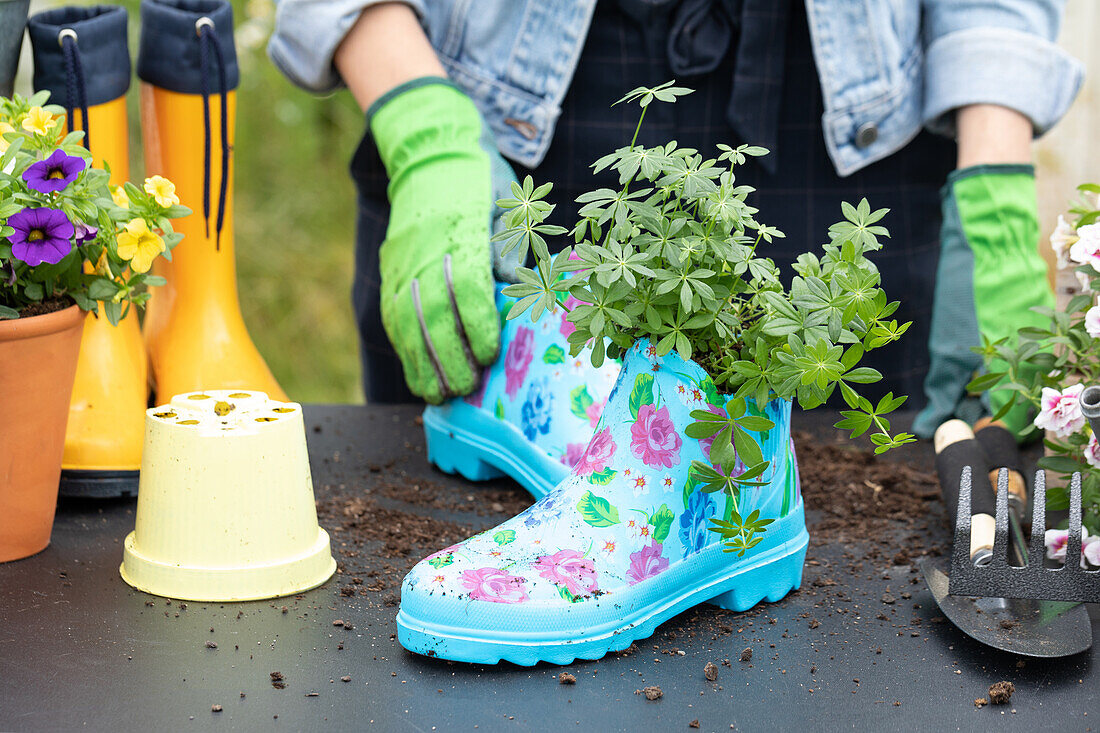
1030	627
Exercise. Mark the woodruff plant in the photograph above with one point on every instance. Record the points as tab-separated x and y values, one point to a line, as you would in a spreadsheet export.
671	256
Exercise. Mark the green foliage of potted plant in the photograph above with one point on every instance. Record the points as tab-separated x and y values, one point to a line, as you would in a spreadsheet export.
675	257
66	246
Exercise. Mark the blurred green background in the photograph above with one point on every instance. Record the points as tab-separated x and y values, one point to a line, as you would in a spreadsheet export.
295	212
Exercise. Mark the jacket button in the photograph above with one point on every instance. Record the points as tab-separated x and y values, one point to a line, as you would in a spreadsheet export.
866	134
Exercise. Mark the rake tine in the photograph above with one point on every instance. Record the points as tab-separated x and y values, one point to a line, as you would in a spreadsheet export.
1073	542
960	553
1038	549
1000	538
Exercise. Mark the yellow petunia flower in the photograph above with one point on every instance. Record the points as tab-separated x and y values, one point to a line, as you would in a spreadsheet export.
139	245
162	190
118	194
38	121
4	127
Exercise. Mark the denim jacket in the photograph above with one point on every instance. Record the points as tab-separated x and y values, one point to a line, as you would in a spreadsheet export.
887	67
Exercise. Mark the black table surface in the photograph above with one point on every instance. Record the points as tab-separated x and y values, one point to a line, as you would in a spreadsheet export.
79	649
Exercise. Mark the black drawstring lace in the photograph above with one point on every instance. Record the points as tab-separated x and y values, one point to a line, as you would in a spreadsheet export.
74	77
208	39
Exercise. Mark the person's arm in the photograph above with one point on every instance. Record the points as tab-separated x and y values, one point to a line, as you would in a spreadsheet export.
992	134
987	53
436	263
994	79
383	50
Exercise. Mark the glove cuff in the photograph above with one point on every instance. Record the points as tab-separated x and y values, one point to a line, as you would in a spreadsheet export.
421	81
988	169
421	120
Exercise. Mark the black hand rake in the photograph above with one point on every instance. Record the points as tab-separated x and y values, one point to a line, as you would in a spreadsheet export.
1032	579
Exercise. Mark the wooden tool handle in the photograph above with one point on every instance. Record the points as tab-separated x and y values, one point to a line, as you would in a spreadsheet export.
983	527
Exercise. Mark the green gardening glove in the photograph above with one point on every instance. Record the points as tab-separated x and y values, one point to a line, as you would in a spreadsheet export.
989	277
436	262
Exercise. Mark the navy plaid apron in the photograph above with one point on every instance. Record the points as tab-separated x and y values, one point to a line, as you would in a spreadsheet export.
801	197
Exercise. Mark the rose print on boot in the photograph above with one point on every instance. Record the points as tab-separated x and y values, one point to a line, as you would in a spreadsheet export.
570	570
647	563
654	438
574	452
518	360
497	586
598	456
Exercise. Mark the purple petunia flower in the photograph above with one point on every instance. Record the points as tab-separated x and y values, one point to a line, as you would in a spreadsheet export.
54	173
84	232
41	235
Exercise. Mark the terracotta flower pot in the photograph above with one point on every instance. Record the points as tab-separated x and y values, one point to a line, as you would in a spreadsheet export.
37	367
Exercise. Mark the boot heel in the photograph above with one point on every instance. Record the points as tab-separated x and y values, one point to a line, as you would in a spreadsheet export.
452	455
772	582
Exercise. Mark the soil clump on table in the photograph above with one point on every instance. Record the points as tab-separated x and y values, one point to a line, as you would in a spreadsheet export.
1001	692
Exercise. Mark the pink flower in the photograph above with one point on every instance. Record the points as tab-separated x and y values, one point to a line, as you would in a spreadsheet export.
1091	551
1092	452
571	569
1057	539
492	584
1092	321
1086	250
567	328
647	563
654	439
518	359
1061	411
1056	543
574	452
593	412
597	457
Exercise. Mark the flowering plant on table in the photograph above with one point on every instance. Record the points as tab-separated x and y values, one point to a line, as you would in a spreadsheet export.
671	260
64	233
1047	369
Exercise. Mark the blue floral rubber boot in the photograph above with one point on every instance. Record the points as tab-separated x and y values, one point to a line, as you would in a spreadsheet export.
534	413
621	545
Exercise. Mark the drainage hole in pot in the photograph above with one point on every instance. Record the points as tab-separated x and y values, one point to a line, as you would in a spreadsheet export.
266	419
164	414
283	409
188	422
239	396
198	396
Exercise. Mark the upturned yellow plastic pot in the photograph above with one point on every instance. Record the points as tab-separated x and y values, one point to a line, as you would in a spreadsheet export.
225	501
37	365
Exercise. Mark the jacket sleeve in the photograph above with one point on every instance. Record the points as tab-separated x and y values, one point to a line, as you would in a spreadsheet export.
307	33
996	52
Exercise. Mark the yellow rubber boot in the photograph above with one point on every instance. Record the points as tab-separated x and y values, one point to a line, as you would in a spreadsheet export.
105	430
194	332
